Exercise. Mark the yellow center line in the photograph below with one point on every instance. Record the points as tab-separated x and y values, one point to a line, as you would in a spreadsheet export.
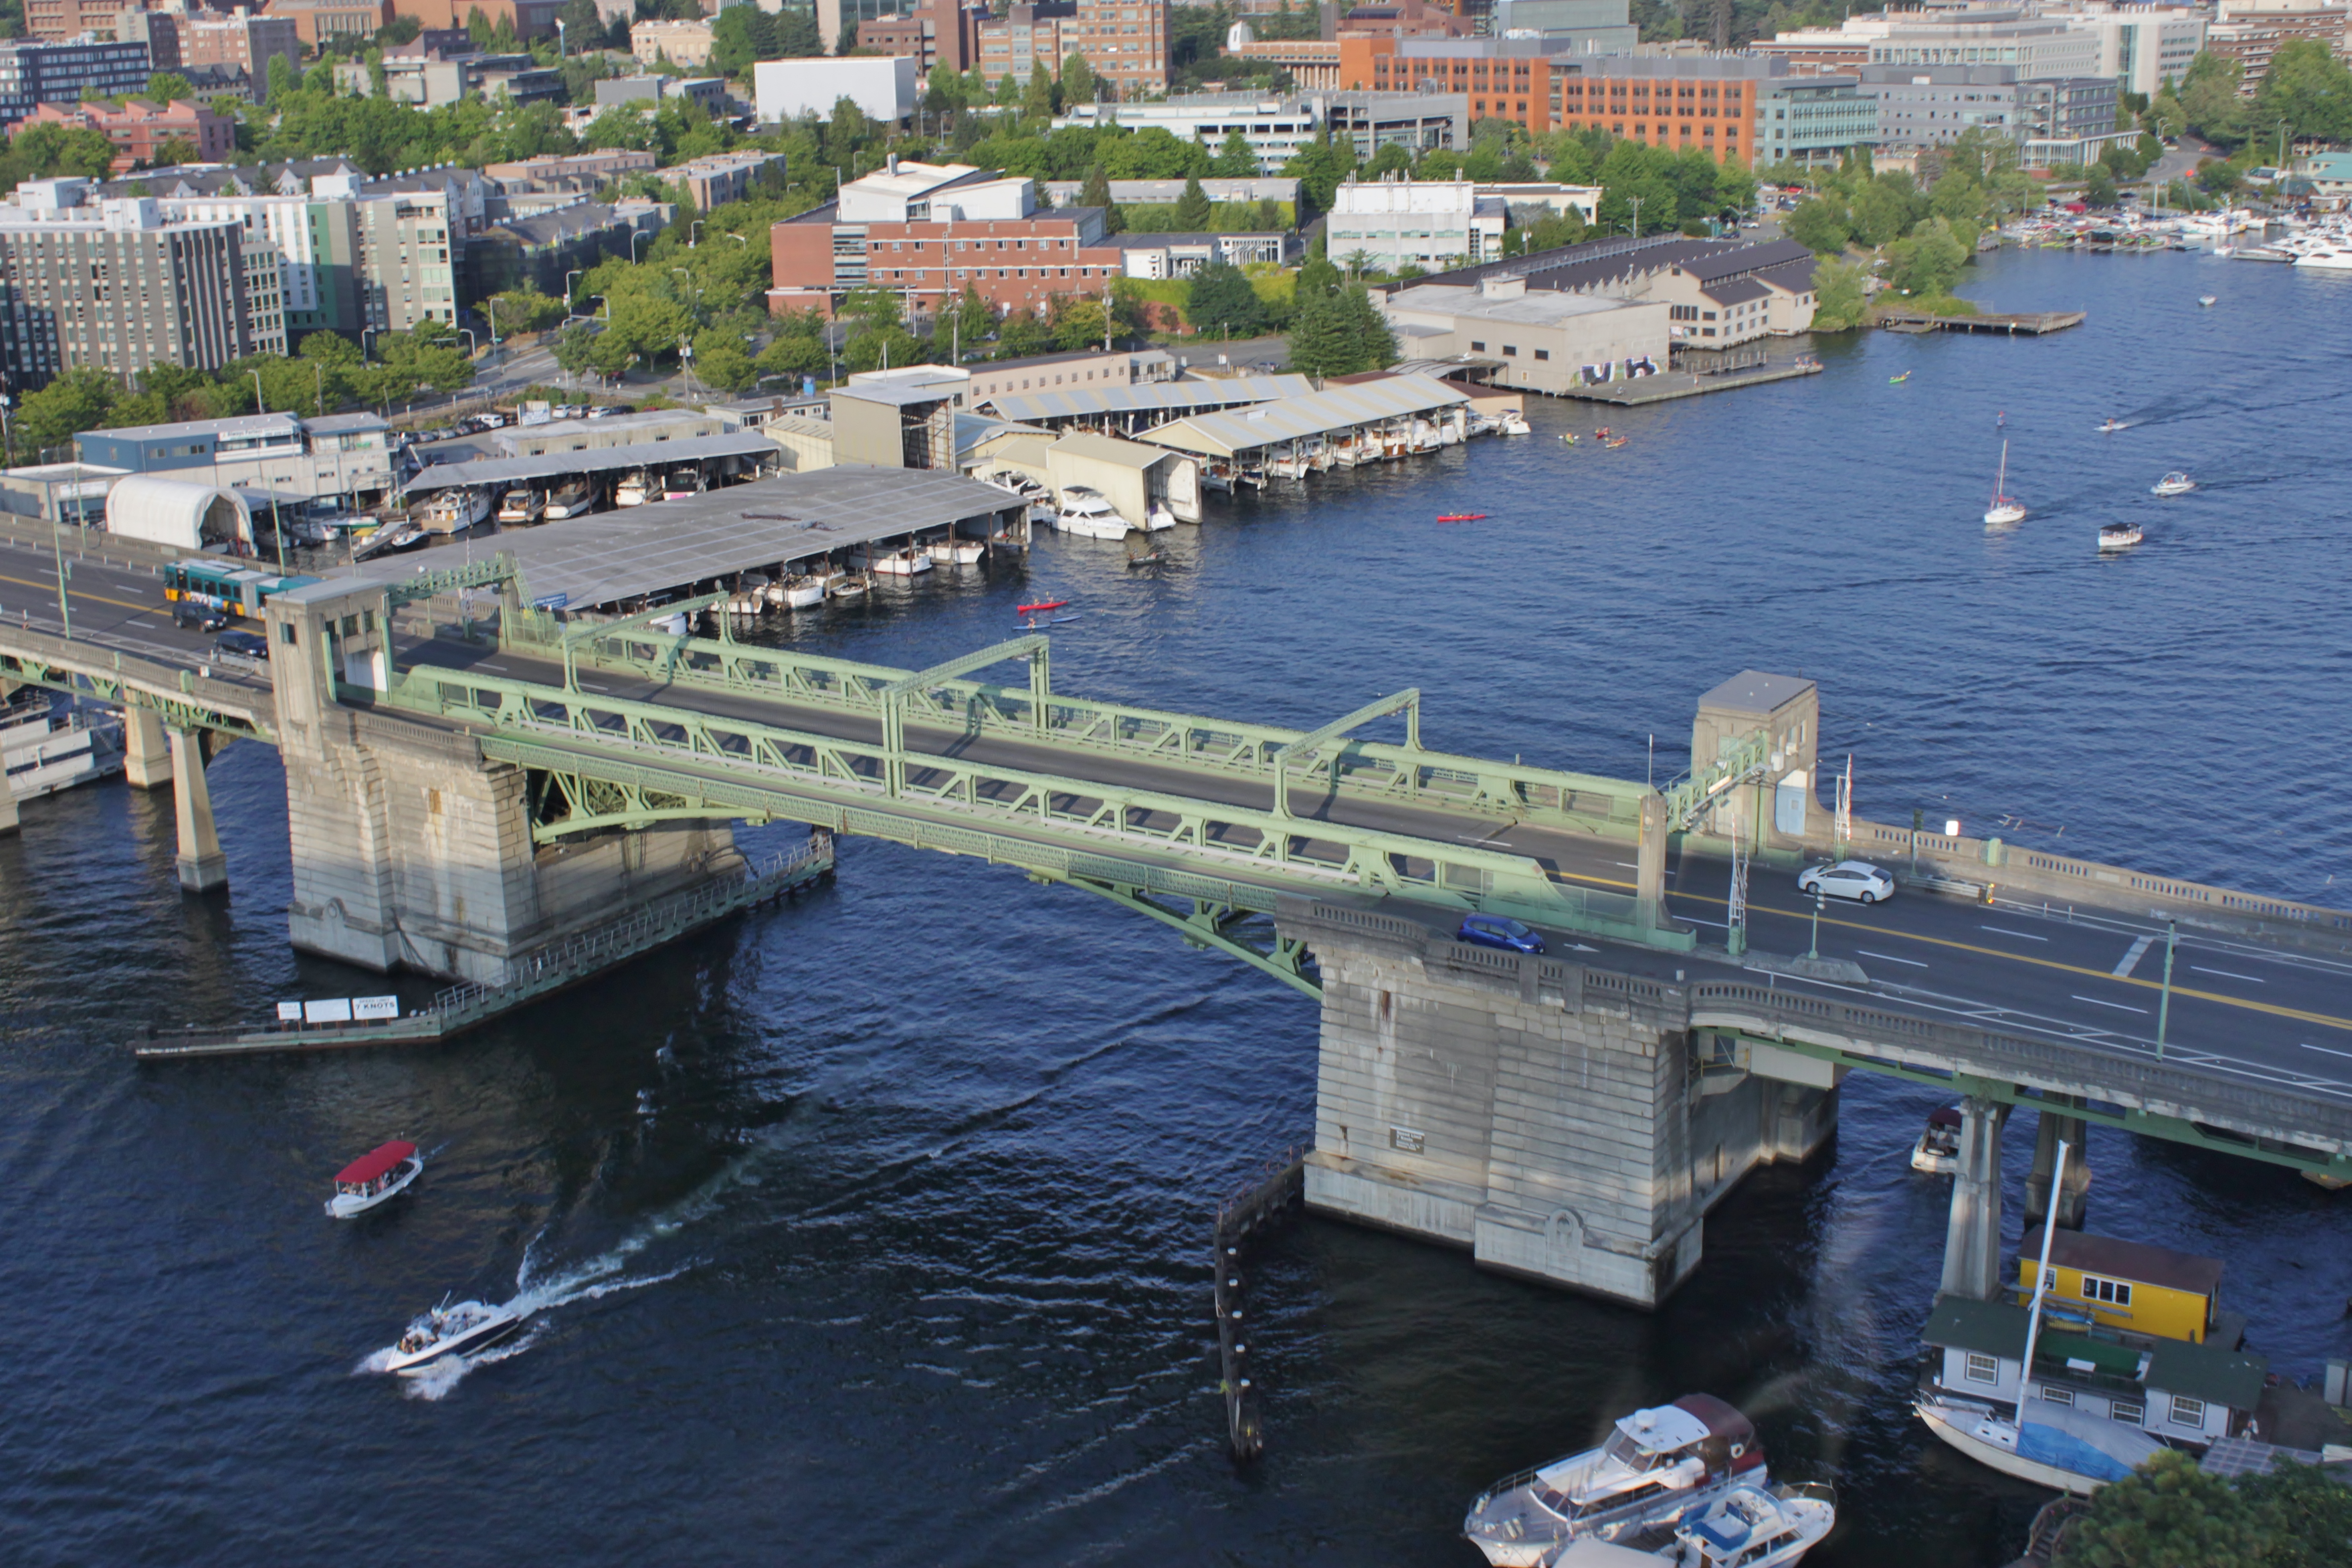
2324	1019
78	594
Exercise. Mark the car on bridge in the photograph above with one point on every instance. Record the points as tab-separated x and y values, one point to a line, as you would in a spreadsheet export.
244	645
1494	930
1857	879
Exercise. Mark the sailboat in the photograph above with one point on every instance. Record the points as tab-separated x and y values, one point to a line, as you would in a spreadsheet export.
2005	509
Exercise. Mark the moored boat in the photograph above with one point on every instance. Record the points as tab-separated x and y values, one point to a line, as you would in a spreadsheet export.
456	510
1159	517
1085	512
798	593
453	1330
1749	1527
1658	1466
380	1173
521	505
1513	422
635	490
849	585
682	481
573	497
903	562
957	551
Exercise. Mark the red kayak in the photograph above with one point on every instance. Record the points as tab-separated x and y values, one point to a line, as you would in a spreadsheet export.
1041	604
1464	517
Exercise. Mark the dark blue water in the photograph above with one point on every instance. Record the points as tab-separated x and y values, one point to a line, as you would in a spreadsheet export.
909	1265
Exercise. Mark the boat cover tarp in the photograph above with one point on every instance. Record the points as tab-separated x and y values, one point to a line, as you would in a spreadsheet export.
375	1163
2068	1440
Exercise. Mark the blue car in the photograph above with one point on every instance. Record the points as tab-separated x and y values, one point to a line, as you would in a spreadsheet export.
1494	930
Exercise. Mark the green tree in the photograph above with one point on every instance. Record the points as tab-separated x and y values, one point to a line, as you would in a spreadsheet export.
1319	167
2100	191
1322	336
720	360
173	151
77	401
1837	295
2209	100
789	355
880	348
2168	1514
1928	261
1881	214
574	348
280	75
2307	92
525	309
1221	300
1193	208
170	87
741	36
1234	161
1376	344
1078	84
2309	1514
1097	195
1023	335
1037	100
1077	323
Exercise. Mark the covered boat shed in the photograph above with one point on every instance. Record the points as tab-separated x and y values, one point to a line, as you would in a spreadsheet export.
1129	475
732	453
1123	410
1337	427
180	514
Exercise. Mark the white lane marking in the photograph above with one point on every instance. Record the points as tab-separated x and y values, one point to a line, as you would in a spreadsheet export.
594	687
2021	935
1695	920
2228	975
1890	958
1629	865
2324	1051
499	667
2118	1007
148	626
2131	957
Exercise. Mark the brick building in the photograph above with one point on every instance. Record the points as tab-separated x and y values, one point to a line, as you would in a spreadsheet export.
942	34
238	42
322	21
138	127
1125	42
529	18
54	21
680	43
2250	31
925	231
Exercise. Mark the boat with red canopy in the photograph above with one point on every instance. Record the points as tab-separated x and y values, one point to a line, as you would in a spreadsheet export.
374	1177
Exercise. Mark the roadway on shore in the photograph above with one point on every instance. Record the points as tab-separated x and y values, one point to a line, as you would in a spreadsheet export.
2084	976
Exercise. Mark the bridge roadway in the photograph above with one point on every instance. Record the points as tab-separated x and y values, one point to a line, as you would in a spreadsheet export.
2239	1007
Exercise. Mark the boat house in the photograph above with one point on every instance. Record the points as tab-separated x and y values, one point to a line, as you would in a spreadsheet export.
1337	427
2141	1291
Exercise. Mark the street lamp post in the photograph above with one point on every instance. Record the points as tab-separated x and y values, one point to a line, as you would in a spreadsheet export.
633	238
260	404
365	332
694	233
2164	1007
567	291
473	344
491	305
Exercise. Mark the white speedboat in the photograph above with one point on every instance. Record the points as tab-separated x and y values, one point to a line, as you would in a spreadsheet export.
798	593
683	481
51	745
2173	484
1749	1527
575	497
750	595
456	510
903	562
448	1331
1513	422
1657	1466
2006	510
635	490
849	585
1159	517
2327	258
380	1173
522	506
2205	299
2118	536
1937	1152
1085	512
957	552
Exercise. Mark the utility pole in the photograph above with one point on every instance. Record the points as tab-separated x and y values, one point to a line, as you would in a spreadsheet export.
1815	951
2164	1007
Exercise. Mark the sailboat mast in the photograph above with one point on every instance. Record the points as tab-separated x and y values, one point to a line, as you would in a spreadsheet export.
2041	1279
2000	479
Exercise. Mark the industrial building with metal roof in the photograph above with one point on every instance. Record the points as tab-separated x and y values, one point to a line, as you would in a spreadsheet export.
750	446
1325	412
1141	404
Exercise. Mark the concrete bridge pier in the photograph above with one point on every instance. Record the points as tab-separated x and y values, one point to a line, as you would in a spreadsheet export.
202	866
1972	1244
146	754
1561	1126
2074	1198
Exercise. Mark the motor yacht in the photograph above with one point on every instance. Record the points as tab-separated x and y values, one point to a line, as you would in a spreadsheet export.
2174	483
573	497
1657	1466
1750	1527
1937	1152
636	488
797	592
903	562
522	506
750	595
456	510
1087	513
2327	258
684	481
1159	517
1513	422
374	1177
2118	536
454	1329
957	552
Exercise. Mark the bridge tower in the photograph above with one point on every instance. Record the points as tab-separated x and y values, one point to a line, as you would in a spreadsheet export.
410	849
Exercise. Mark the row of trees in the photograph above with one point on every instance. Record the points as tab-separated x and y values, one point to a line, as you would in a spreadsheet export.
2170	1513
2305	95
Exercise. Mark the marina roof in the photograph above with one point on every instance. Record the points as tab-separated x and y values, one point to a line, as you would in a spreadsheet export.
1747	258
1110	450
1737	291
1545	308
237	424
1078	403
1317	414
497	472
2137	1261
617	556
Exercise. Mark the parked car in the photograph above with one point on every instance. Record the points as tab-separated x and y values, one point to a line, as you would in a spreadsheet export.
600	412
244	645
1857	879
1494	930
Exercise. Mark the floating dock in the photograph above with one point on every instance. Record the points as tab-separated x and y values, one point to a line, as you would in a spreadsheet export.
1669	385
2032	323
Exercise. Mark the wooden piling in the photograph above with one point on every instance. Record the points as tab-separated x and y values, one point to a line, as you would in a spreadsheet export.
1240	1219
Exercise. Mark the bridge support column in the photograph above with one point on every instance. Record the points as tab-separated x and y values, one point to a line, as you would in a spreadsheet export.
202	866
1972	1244
2073	1197
1558	1129
146	755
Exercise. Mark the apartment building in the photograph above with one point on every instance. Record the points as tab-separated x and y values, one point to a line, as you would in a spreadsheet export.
938	35
1123	42
575	171
925	231
138	128
320	22
33	72
721	177
1930	106
2141	47
2250	31
680	43
537	250
530	19
117	288
239	41
55	21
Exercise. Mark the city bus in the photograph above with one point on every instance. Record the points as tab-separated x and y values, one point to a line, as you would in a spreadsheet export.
220	586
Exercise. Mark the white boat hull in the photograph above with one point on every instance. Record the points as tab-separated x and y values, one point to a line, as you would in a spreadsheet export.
346	1205
1091	527
804	595
52	751
1933	1164
2002	516
962	552
1985	1450
499	1322
903	564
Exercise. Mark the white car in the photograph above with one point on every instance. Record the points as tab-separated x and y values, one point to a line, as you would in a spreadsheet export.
1857	879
